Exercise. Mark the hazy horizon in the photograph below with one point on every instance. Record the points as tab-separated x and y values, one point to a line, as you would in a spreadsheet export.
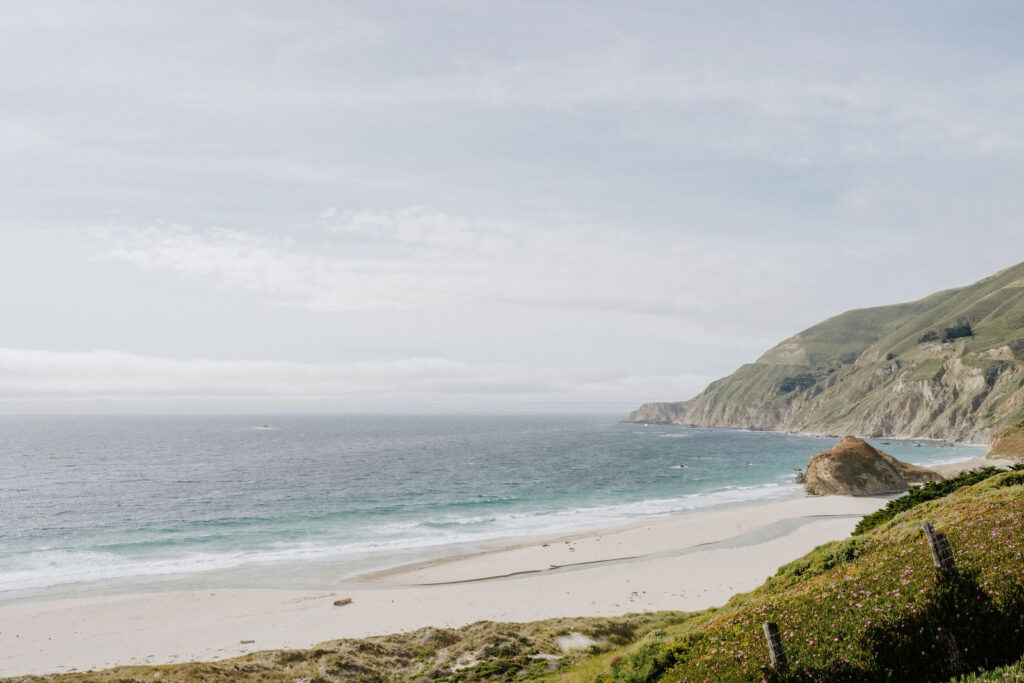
372	208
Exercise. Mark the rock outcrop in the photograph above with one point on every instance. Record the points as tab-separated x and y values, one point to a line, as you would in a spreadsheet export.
1007	443
854	468
950	366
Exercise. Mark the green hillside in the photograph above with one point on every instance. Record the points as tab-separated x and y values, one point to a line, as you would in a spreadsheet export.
948	366
870	608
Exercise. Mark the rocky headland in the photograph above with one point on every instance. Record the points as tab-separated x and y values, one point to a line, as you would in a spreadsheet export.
950	366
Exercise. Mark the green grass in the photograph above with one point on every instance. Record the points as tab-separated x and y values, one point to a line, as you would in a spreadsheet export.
872	607
1011	672
929	491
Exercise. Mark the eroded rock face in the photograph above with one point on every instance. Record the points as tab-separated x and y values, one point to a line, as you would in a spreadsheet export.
1007	443
854	468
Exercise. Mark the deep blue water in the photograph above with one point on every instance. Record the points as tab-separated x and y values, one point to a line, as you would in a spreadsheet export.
94	502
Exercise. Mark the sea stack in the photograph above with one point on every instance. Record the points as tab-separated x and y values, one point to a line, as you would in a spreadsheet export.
854	468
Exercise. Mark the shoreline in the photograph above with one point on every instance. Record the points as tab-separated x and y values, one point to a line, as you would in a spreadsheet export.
820	435
308	573
687	561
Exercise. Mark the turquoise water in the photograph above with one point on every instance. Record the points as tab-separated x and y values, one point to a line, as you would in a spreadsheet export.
98	503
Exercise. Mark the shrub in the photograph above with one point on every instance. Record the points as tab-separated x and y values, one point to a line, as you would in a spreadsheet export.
961	330
921	494
803	381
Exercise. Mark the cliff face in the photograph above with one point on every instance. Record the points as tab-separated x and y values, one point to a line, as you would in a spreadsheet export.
950	366
1007	443
854	468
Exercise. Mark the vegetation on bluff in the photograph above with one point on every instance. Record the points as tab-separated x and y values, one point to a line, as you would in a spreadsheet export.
929	491
872	607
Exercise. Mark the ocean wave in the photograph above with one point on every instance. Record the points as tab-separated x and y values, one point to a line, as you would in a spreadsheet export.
56	567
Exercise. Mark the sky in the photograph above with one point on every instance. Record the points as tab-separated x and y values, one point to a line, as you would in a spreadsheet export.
471	206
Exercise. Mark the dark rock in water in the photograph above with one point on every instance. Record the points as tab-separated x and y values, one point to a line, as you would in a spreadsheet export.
800	478
854	468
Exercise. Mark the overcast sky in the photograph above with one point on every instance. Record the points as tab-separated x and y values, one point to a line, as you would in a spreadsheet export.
498	206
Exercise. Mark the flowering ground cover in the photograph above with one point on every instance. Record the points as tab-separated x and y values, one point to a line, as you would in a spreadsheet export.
1013	672
872	607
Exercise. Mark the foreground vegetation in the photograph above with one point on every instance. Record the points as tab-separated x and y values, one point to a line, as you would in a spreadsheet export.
872	607
929	491
481	651
869	608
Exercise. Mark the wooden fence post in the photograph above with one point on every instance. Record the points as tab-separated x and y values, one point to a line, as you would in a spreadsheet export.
774	640
942	553
953	659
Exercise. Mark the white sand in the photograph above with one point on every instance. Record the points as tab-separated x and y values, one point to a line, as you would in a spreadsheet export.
687	562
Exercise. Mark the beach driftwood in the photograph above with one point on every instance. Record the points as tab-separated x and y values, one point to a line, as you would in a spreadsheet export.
774	641
343	602
942	553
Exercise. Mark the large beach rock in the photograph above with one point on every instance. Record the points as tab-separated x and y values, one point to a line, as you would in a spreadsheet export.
1007	443
854	468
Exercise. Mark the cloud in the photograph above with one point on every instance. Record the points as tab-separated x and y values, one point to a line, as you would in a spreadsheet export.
417	258
96	379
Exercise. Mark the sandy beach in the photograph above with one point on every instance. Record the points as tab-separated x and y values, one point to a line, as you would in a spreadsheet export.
685	562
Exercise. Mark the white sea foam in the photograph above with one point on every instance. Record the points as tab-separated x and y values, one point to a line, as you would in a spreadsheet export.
49	568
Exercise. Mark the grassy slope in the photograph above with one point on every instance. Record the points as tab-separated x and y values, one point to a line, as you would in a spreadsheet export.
870	607
994	306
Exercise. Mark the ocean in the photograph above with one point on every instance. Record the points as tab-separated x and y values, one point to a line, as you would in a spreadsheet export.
103	504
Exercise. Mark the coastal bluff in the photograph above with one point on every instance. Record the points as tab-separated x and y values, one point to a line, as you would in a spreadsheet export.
855	468
949	366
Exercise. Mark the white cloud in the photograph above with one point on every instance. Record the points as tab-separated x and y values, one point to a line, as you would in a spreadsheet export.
419	259
96	379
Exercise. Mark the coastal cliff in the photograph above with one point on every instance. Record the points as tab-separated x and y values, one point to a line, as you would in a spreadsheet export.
949	366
